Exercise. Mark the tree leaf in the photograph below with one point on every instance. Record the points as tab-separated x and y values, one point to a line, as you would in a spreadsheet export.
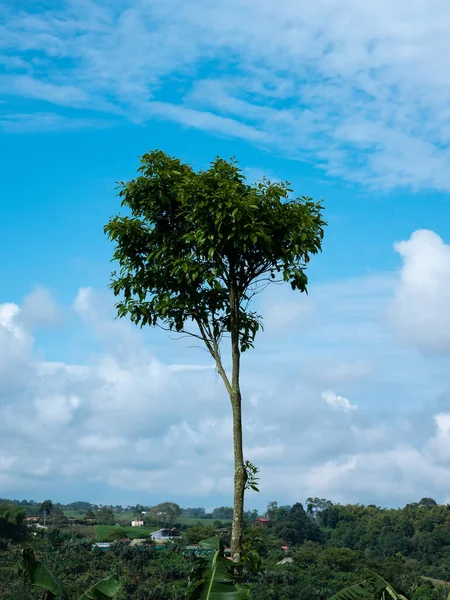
372	587
37	574
103	590
212	578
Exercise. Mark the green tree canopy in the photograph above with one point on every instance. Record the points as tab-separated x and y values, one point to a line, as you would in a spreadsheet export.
46	507
11	519
105	515
166	512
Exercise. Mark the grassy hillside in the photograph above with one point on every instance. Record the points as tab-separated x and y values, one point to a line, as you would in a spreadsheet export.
104	531
129	516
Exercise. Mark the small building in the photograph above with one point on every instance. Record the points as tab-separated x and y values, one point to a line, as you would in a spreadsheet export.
102	545
261	522
165	534
137	542
31	519
137	523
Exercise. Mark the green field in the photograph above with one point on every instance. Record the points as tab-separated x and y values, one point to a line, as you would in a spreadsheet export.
130	516
103	531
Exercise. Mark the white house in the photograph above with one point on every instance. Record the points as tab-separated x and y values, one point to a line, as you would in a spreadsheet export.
137	523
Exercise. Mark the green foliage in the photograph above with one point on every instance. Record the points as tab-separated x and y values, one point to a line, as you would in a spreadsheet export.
11	520
37	574
197	533
251	481
106	516
224	513
212	578
46	508
103	590
353	538
117	533
11	514
371	588
192	238
293	526
339	559
165	513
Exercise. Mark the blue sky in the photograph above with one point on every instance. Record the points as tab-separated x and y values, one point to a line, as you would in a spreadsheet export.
346	394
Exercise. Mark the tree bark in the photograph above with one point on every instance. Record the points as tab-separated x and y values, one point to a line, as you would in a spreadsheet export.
239	480
236	401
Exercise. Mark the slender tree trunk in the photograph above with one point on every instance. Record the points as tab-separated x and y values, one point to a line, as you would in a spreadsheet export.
236	401
239	480
234	391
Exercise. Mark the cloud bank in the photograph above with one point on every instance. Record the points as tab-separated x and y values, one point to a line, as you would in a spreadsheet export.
343	406
360	90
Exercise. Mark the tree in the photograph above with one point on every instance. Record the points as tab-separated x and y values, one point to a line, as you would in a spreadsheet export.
11	520
271	509
166	512
89	514
105	515
138	510
294	526
427	502
222	512
193	252
118	533
198	532
46	508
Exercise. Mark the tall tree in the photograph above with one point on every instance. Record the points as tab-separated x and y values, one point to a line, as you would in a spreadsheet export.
46	507
166	512
194	250
11	519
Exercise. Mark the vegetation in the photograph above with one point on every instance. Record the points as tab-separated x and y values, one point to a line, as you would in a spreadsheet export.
194	249
212	578
330	548
11	521
37	574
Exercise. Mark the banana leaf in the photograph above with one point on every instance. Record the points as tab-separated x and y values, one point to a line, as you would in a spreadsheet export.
37	574
373	587
212	578
103	590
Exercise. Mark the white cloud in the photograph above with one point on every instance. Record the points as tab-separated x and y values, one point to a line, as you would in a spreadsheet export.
26	86
422	297
43	470
336	401
343	371
439	444
279	318
138	421
55	410
99	443
361	90
30	122
39	308
7	462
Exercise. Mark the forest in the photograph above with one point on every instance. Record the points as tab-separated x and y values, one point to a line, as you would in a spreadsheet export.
306	551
